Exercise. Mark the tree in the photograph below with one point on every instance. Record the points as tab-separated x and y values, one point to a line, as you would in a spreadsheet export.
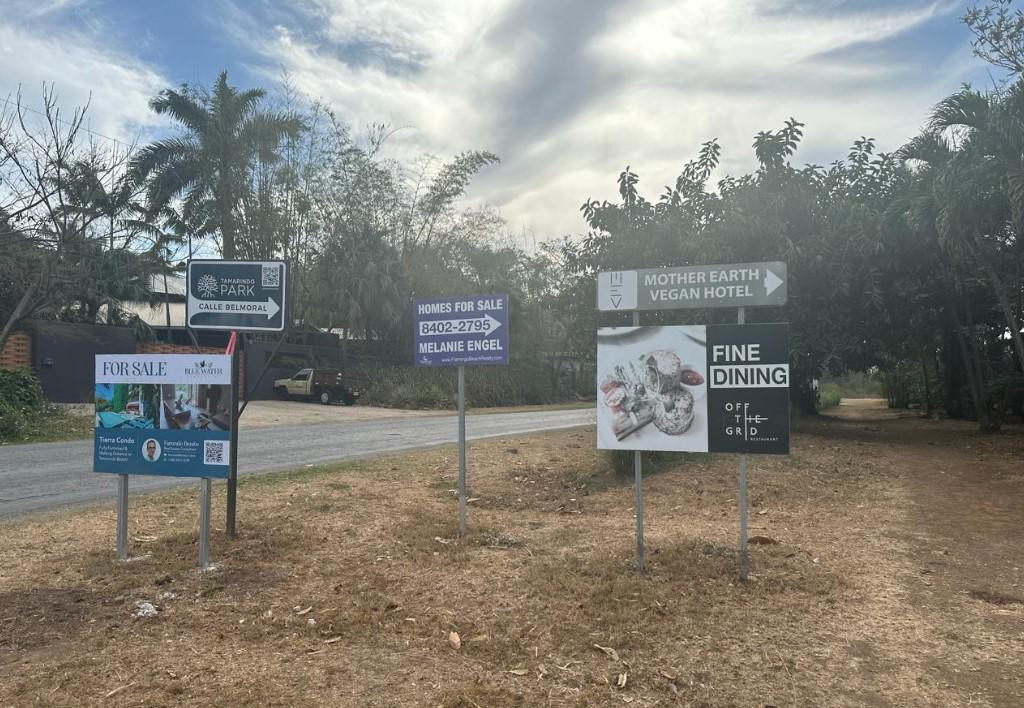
66	251
998	31
982	210
208	166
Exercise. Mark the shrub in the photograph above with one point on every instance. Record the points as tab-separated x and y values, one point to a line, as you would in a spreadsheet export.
521	383
829	396
22	405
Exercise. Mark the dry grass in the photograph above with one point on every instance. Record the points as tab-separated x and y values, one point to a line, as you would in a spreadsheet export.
834	614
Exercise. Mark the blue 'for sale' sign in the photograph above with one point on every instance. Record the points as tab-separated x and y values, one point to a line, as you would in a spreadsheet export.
461	331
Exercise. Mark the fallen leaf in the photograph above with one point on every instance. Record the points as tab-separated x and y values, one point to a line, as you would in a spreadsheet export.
479	638
621	683
333	640
305	611
453	639
667	675
518	672
609	651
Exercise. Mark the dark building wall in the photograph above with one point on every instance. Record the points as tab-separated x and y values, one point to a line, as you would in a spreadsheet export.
64	356
289	359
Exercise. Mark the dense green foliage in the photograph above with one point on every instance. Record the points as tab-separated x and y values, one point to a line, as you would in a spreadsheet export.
829	396
908	263
22	405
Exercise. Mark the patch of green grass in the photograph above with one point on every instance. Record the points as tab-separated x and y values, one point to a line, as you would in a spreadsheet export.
55	426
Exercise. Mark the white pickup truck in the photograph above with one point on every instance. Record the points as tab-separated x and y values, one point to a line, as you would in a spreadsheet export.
324	385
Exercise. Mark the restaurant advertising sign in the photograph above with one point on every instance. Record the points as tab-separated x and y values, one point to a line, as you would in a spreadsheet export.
694	388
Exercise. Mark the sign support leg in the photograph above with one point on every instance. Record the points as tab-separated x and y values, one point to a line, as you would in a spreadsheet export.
233	442
462	451
204	523
122	517
638	490
741	318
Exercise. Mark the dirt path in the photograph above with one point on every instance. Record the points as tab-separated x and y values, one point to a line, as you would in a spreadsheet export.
962	536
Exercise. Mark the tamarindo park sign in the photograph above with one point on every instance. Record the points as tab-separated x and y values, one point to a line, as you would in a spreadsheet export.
694	388
732	285
238	295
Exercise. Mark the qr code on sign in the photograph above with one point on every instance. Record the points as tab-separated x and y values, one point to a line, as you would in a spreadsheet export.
214	452
272	276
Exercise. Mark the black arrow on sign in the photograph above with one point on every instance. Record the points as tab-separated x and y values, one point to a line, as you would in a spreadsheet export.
616	299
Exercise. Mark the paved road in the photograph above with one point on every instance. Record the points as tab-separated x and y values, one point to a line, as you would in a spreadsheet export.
50	475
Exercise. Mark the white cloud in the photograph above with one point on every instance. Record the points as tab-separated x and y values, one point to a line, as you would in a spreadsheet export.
116	86
568	93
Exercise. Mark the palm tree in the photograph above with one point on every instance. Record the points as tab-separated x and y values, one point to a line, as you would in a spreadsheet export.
982	213
208	166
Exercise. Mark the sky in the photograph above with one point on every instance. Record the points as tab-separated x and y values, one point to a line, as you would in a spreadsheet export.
566	92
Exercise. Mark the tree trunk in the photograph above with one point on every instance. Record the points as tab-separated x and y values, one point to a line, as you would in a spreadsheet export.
16	315
927	403
167	307
1004	302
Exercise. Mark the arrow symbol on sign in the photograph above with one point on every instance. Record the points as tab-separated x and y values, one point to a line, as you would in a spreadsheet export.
616	300
472	325
237	307
771	282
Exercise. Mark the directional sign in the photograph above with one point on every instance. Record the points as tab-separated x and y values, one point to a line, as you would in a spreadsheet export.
460	331
239	295
733	285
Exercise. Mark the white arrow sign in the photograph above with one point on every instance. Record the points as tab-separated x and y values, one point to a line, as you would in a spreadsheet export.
771	282
474	325
236	307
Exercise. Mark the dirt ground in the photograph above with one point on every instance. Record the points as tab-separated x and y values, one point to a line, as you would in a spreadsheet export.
888	574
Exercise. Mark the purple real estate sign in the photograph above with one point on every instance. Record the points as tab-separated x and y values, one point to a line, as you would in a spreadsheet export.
461	331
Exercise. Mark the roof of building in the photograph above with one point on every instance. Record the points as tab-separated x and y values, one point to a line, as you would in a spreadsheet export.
175	284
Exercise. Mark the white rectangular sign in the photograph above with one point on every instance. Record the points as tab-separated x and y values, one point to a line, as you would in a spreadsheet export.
730	285
163	368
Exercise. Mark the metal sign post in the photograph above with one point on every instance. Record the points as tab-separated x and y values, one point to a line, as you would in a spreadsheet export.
462	451
122	517
693	388
164	415
457	331
241	296
232	500
741	318
204	523
638	492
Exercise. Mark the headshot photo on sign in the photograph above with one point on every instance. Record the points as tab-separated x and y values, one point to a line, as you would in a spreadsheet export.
652	388
151	450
